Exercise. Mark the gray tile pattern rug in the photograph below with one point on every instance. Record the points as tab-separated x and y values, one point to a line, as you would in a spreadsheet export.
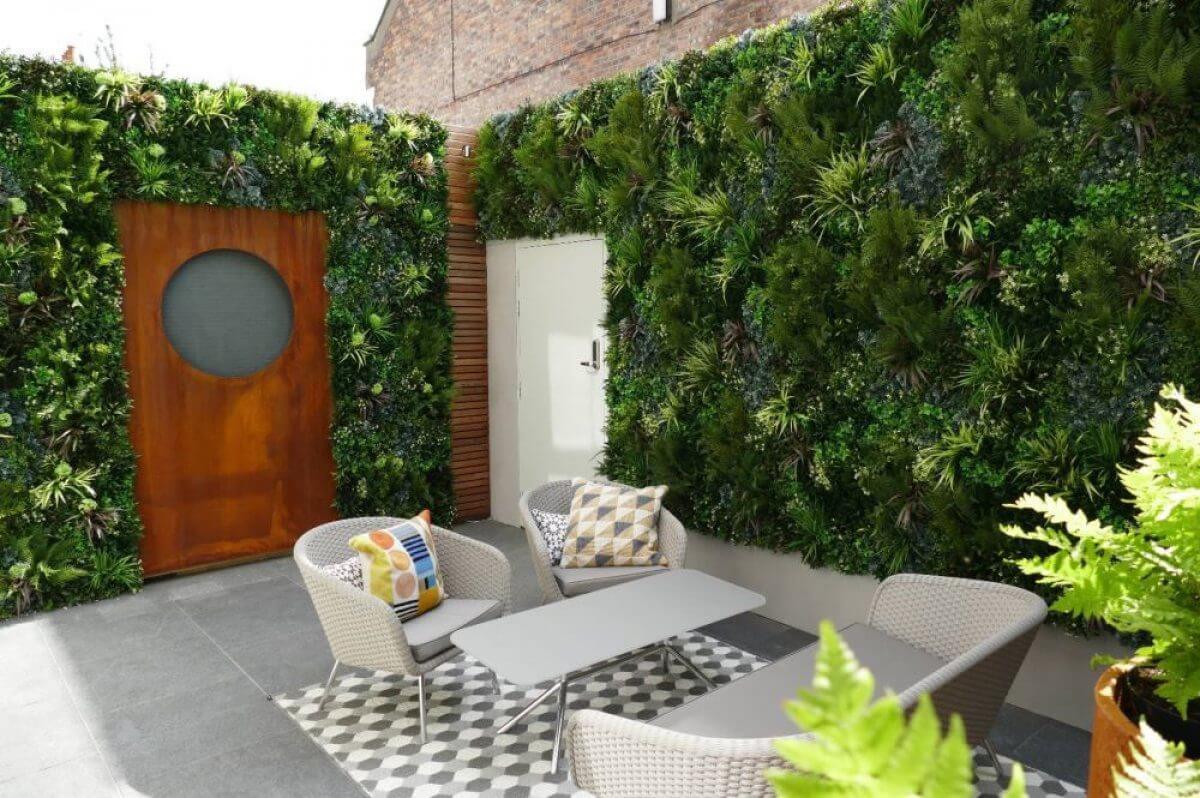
369	726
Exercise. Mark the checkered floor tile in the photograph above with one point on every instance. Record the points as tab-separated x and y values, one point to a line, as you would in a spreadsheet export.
369	726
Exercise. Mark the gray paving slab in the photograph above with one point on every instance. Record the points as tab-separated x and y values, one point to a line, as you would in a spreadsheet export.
287	765
86	776
165	693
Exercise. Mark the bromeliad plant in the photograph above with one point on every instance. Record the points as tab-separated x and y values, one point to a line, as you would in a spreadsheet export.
1141	578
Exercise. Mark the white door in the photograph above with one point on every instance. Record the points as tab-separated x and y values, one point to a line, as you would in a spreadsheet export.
560	358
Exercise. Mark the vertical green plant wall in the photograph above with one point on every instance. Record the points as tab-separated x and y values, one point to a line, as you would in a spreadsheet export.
876	272
73	141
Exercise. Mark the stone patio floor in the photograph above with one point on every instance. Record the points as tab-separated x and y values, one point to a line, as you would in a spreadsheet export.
167	692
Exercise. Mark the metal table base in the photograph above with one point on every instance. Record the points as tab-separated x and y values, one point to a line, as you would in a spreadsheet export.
559	689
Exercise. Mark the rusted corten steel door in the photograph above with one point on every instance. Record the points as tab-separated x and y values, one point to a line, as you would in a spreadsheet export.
234	458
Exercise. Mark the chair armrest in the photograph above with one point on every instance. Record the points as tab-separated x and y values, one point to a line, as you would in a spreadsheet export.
362	630
539	554
473	569
672	538
615	757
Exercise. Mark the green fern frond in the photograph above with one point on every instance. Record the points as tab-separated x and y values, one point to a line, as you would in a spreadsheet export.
1155	768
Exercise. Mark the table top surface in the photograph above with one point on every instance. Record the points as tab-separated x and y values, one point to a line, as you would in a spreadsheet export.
556	639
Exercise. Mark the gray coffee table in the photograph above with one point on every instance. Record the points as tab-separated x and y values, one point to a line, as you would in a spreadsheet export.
573	639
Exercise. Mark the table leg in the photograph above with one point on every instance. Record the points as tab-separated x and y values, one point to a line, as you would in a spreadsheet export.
687	663
558	726
534	704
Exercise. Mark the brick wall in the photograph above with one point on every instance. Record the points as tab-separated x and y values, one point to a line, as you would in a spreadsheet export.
464	60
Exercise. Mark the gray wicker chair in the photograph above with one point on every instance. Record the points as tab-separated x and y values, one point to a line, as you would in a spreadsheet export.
363	631
555	497
981	631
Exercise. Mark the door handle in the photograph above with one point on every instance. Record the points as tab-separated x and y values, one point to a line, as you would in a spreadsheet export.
594	363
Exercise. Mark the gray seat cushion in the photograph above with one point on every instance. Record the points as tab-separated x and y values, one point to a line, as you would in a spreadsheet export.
577	581
752	706
429	634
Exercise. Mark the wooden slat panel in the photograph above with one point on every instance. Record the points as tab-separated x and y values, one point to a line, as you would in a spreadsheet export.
466	294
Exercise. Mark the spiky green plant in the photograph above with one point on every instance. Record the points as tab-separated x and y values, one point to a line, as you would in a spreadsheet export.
41	566
943	461
109	571
879	68
910	19
154	173
840	188
208	108
958	225
864	748
1140	578
702	369
64	485
782	416
114	85
1190	238
7	84
1001	373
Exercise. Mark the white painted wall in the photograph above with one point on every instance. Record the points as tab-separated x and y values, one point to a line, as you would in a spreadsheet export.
1056	679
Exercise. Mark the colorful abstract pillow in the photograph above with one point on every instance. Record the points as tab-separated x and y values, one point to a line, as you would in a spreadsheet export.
553	527
613	525
399	565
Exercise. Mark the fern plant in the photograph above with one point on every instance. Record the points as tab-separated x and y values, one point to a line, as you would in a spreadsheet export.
1156	768
868	749
1140	579
1151	72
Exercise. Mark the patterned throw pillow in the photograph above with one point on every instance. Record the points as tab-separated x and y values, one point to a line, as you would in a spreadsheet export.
349	571
399	565
553	527
613	525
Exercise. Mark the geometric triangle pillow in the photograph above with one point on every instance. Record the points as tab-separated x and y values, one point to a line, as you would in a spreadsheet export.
612	525
399	565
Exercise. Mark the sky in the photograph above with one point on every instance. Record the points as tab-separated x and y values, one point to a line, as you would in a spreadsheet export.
312	47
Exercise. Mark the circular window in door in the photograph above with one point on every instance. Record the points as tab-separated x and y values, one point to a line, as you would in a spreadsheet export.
227	312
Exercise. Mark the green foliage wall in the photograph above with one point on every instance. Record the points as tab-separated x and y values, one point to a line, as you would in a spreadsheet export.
876	272
72	141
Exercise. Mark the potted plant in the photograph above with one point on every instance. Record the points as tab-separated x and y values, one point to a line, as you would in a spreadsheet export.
1141	578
